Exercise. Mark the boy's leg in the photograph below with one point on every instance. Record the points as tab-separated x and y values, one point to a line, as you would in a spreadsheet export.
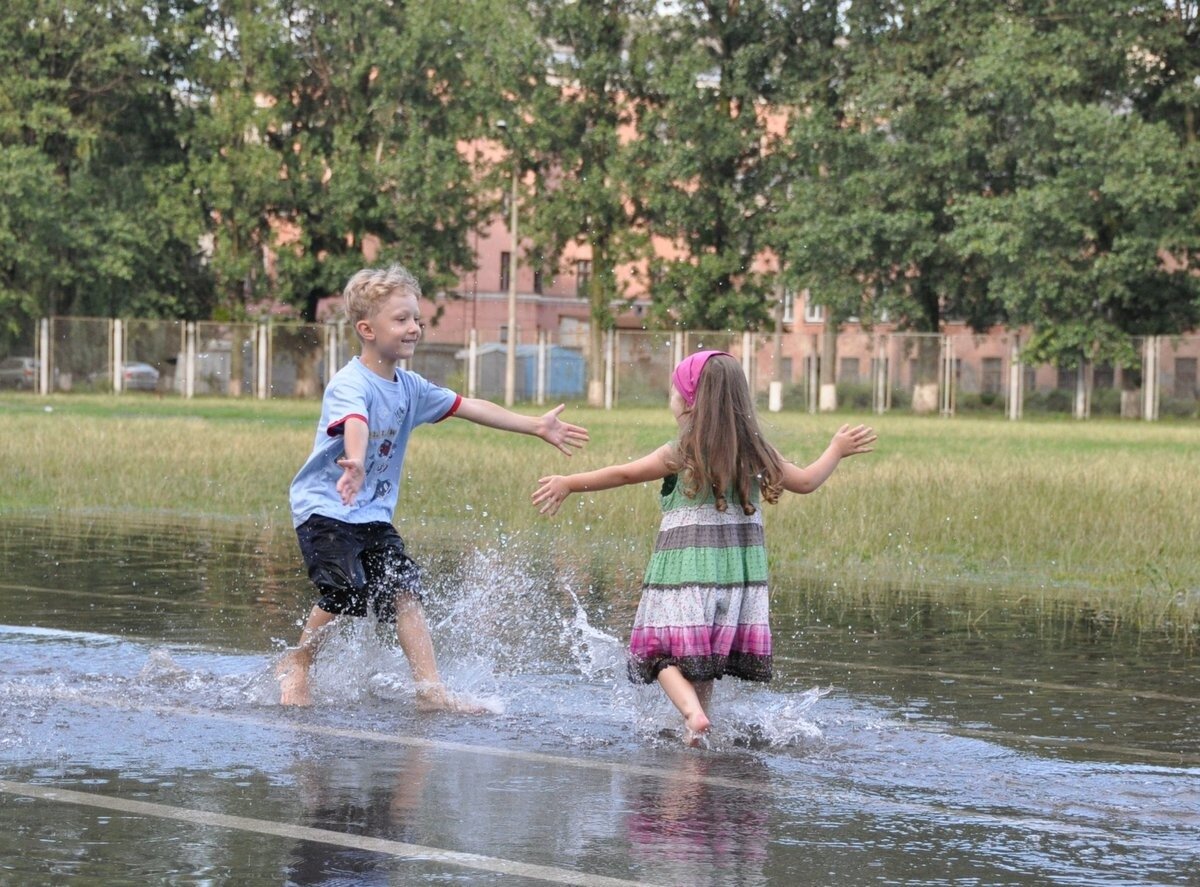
413	634
292	669
683	694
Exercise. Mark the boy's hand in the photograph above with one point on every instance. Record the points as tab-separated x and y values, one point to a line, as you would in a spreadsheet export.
551	493
351	480
557	433
853	441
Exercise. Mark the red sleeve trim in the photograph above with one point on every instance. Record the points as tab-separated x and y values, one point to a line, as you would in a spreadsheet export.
338	427
453	409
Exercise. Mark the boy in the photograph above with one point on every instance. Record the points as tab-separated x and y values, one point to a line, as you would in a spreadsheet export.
344	496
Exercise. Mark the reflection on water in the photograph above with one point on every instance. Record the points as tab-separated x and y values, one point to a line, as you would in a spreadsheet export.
694	830
906	738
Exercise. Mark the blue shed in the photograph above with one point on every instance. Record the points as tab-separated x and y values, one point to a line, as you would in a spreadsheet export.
566	371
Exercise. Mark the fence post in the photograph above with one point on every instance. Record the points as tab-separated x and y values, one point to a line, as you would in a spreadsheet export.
472	360
117	358
541	367
881	388
609	369
262	360
947	382
331	351
189	360
1151	351
1016	390
43	355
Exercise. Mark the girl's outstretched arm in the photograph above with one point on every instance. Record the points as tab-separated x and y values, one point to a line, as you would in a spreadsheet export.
552	490
846	442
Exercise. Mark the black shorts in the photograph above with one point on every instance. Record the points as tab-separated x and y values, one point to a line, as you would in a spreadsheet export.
356	566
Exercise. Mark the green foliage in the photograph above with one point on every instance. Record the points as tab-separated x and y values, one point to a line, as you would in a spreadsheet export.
1002	164
1026	163
706	160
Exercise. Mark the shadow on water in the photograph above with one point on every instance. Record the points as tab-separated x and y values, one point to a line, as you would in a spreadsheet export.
905	738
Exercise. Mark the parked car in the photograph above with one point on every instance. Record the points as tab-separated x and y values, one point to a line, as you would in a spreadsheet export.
18	372
137	376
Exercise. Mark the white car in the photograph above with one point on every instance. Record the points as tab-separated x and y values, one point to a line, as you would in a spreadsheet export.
19	372
138	376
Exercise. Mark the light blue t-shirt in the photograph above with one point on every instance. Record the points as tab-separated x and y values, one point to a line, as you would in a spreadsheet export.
391	410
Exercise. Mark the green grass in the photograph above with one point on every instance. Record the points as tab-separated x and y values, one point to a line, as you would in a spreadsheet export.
1099	514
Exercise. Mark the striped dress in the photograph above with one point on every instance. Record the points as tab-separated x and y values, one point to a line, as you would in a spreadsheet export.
704	598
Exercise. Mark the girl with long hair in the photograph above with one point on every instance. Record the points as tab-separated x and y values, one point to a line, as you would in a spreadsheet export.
704	607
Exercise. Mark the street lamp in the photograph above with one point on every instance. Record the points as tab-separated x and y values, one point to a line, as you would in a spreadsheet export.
510	357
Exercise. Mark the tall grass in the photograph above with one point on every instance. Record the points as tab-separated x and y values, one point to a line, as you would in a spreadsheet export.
1102	514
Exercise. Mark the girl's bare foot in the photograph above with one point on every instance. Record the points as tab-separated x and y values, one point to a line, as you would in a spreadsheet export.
696	728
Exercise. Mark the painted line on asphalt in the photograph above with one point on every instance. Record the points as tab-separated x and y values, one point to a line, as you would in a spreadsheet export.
399	849
832	795
994	680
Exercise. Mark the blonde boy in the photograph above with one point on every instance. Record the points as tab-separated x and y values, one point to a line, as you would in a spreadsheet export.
344	496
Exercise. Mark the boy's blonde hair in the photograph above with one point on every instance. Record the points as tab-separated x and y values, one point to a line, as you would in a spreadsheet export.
368	289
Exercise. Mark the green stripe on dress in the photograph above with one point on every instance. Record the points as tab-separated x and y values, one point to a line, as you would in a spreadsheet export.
707	566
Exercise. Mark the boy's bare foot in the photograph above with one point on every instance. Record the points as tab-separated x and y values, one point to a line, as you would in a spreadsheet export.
438	698
293	683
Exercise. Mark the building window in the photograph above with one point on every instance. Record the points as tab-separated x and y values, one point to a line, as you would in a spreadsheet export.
1067	378
537	281
503	333
789	306
505	260
1028	378
1185	377
848	372
813	313
583	277
992	381
1103	376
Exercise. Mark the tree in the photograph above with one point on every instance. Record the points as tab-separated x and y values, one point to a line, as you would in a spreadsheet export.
580	119
88	102
957	170
708	159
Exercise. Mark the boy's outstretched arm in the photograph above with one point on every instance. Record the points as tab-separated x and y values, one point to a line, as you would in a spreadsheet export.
552	490
846	442
562	435
354	443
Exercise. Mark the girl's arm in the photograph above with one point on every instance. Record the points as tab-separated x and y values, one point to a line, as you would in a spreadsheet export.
562	435
554	489
846	442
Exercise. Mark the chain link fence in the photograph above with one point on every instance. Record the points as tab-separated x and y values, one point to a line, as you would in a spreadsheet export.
856	370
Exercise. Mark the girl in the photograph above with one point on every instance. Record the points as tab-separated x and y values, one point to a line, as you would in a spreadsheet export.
703	612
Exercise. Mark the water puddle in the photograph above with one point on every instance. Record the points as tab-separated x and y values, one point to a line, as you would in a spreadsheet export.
905	738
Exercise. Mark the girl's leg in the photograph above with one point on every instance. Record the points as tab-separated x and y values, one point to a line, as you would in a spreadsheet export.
683	694
292	669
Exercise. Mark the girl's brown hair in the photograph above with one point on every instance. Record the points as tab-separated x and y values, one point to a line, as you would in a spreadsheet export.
720	444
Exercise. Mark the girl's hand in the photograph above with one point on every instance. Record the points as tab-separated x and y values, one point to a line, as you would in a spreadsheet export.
853	441
562	435
550	494
351	480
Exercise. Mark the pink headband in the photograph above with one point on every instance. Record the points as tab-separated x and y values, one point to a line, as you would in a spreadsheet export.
686	377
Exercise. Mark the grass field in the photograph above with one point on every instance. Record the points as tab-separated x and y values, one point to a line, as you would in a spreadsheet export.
1101	514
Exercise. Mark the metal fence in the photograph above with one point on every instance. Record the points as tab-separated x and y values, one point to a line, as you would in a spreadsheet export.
879	372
